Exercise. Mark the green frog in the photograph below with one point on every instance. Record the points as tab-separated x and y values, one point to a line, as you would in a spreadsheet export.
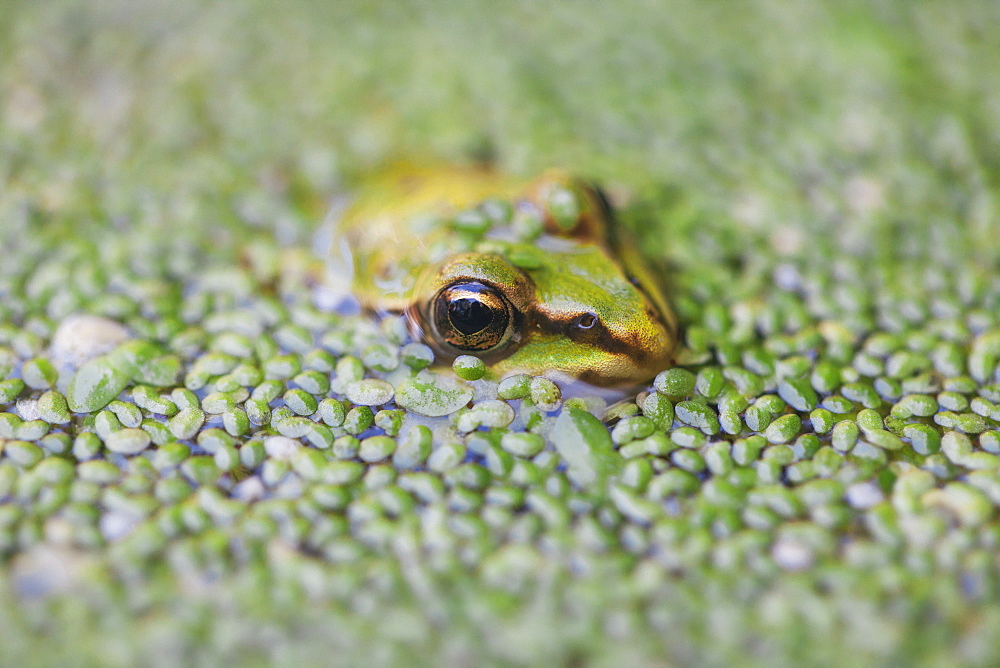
528	275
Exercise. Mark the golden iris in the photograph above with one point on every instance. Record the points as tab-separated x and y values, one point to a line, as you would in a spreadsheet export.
472	316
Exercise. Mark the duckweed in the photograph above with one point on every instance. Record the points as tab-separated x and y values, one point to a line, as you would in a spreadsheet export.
658	408
585	445
300	401
675	382
36	430
127	441
376	448
192	428
358	419
22	453
10	389
95	384
186	423
446	457
697	415
798	394
370	392
492	414
417	356
39	374
522	444
52	408
545	394
468	367
433	395
517	386
783	429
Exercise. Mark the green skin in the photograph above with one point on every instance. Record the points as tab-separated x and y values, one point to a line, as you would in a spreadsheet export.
577	299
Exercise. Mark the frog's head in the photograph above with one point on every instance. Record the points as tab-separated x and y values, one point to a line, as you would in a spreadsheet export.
555	305
528	275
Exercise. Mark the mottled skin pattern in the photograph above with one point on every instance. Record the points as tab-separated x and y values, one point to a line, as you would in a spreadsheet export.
579	298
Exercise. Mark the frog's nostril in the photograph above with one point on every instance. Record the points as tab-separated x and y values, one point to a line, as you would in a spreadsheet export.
585	321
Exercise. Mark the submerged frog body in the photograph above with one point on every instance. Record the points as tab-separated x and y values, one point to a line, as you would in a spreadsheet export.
530	276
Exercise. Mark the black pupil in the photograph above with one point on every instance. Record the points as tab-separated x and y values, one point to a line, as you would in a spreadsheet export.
469	315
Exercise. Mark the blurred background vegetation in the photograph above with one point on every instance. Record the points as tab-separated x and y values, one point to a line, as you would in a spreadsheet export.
750	120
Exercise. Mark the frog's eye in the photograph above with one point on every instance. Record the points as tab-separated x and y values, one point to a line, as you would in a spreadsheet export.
472	316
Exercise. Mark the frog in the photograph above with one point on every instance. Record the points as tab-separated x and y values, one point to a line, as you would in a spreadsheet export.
531	275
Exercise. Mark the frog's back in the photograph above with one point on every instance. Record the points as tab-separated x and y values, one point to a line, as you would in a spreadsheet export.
399	223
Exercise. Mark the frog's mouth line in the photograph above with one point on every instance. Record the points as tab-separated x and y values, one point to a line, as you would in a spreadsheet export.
596	376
